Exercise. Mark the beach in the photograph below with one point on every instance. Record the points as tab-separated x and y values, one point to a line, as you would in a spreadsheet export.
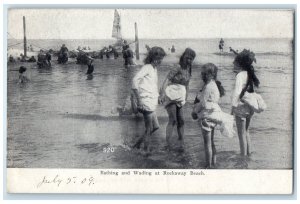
62	120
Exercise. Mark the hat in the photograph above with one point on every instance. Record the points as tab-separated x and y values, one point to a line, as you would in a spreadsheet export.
245	58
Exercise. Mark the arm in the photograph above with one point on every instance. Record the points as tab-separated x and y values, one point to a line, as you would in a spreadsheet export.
136	80
166	82
162	91
236	93
187	91
232	50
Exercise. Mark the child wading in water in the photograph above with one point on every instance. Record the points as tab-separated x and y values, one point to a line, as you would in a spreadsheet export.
245	101
145	89
22	78
174	94
90	68
209	113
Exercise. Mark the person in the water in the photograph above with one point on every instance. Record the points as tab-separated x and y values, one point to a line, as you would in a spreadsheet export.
127	54
145	89
208	111
174	94
173	49
42	60
113	50
48	58
221	45
11	59
63	54
31	59
90	66
245	82
22	78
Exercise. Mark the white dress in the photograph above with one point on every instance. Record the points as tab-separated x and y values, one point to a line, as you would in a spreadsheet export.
209	112
145	81
251	102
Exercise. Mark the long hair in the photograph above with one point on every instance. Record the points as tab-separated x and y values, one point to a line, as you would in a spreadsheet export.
153	54
188	52
212	70
245	60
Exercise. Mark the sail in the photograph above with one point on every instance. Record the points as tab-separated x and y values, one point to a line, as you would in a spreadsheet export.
116	31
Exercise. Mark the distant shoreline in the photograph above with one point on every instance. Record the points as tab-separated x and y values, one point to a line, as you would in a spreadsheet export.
160	39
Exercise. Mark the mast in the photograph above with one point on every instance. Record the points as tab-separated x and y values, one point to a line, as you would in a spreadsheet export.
25	41
136	42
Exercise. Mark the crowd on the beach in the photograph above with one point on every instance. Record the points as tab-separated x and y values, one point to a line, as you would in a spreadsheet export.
146	95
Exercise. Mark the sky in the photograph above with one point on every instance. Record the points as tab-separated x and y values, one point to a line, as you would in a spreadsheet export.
152	23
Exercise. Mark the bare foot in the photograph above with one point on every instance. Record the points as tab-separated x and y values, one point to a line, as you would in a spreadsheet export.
154	129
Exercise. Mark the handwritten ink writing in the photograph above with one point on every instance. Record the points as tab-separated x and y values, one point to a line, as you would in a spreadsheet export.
56	180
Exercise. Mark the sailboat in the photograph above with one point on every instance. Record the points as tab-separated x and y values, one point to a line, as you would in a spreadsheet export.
116	31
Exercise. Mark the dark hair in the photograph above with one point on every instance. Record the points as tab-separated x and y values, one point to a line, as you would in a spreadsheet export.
153	54
188	52
245	59
212	69
22	69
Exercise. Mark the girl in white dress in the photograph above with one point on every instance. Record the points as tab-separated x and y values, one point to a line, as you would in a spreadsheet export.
209	113
145	89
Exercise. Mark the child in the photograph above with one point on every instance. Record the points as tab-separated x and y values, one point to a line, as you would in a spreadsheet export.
90	69
209	113
245	101
22	78
174	94
145	89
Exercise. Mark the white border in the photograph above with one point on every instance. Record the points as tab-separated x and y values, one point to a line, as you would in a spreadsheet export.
257	2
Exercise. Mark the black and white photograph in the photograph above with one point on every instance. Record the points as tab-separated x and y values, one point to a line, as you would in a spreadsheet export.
146	89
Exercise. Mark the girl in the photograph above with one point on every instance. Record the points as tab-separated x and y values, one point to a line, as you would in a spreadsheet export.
209	113
22	78
244	84
174	94
145	89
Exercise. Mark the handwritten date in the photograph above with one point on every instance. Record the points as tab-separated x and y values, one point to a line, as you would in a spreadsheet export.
58	181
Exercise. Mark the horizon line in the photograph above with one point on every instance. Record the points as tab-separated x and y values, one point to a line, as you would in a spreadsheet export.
152	38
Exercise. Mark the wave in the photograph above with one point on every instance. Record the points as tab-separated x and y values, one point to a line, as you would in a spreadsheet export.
275	53
258	53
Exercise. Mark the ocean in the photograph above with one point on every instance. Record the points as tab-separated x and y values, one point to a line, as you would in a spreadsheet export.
62	120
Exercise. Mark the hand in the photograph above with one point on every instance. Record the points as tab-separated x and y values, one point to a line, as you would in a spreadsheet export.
232	110
161	99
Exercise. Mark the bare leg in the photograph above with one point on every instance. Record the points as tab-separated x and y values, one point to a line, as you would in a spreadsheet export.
248	120
155	123
214	151
240	124
180	121
171	109
148	126
207	147
180	126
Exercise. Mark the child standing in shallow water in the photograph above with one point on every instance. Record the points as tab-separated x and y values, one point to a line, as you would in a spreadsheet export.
22	78
209	113
244	101
145	89
174	95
